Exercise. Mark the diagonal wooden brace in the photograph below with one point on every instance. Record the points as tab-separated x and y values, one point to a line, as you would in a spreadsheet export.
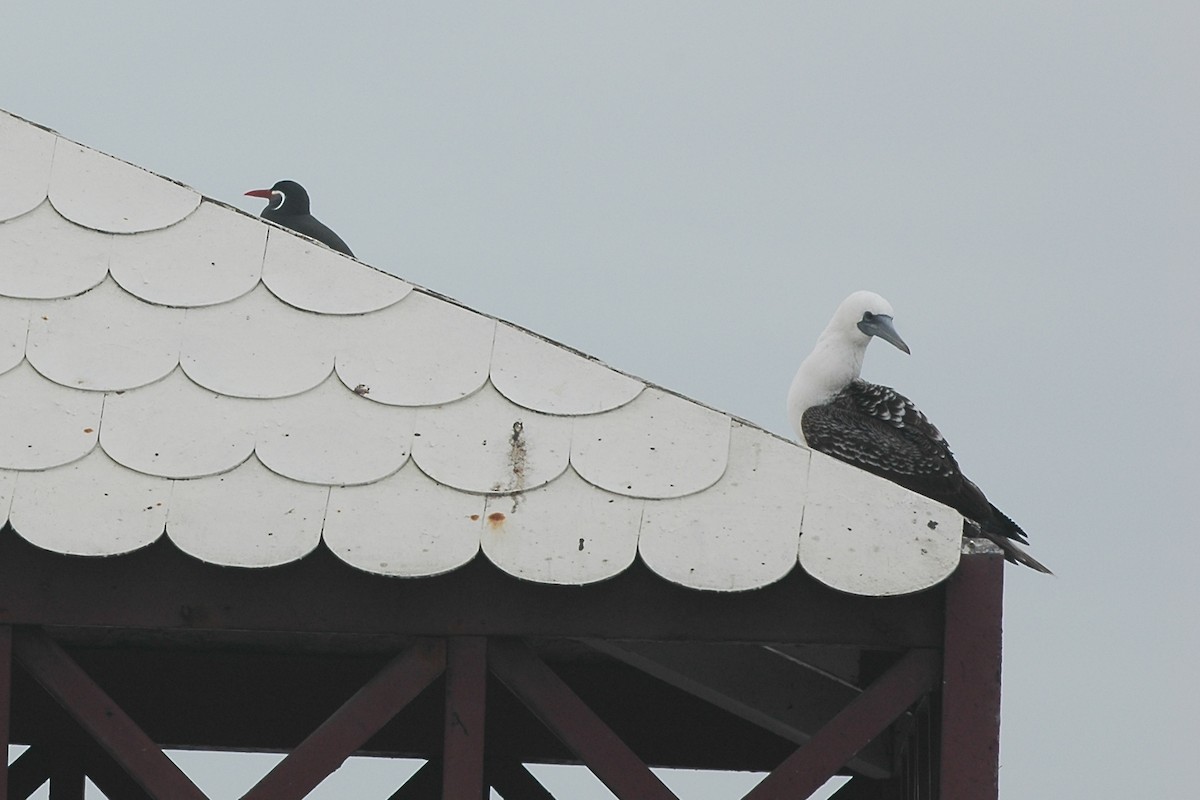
348	728
862	720
569	718
120	736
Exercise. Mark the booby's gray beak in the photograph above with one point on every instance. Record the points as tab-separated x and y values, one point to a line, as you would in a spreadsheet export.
881	325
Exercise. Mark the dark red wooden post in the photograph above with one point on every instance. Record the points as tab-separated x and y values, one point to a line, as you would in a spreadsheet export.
5	704
466	683
970	736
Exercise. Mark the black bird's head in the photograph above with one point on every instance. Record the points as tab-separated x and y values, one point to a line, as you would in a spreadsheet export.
285	198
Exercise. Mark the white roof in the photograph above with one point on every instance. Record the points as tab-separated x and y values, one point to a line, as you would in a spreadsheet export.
173	366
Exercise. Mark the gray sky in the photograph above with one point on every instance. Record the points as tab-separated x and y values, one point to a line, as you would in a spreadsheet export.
687	190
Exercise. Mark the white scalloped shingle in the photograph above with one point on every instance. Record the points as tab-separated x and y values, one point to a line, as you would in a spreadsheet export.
176	429
331	435
205	369
106	194
546	377
314	278
249	517
868	536
42	256
213	256
485	444
743	532
422	351
44	425
406	525
567	532
14	329
104	339
111	510
256	346
25	155
659	445
8	482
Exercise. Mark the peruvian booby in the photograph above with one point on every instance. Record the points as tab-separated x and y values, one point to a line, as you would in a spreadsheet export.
287	204
879	430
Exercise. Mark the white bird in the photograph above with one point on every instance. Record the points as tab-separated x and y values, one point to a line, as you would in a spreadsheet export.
877	429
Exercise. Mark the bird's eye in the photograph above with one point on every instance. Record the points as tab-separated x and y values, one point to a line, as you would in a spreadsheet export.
867	316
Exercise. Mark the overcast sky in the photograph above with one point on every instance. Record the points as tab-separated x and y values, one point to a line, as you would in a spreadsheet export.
687	190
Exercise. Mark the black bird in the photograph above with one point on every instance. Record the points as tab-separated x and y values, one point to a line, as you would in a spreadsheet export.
879	430
287	204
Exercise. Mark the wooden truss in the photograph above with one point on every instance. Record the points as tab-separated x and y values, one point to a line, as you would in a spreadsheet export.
105	662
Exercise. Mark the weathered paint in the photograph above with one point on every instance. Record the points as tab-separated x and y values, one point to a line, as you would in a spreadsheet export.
256	346
25	154
73	341
90	507
741	533
565	533
213	256
263	522
14	330
44	425
43	256
406	525
485	444
176	429
314	278
542	376
659	445
106	194
867	536
331	435
421	351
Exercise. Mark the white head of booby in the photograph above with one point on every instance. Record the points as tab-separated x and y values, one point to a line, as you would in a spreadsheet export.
837	358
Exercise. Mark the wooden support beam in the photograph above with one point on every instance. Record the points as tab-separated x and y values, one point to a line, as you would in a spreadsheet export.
466	685
569	718
5	704
348	728
514	782
424	784
808	768
160	588
970	735
62	678
29	772
755	683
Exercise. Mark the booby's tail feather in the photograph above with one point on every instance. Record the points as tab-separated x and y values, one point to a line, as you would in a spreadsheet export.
1013	552
1001	525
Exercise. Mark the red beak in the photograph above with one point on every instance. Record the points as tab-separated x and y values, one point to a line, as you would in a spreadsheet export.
259	193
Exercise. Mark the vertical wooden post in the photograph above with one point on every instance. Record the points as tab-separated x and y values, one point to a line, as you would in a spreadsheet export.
5	704
970	736
466	685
